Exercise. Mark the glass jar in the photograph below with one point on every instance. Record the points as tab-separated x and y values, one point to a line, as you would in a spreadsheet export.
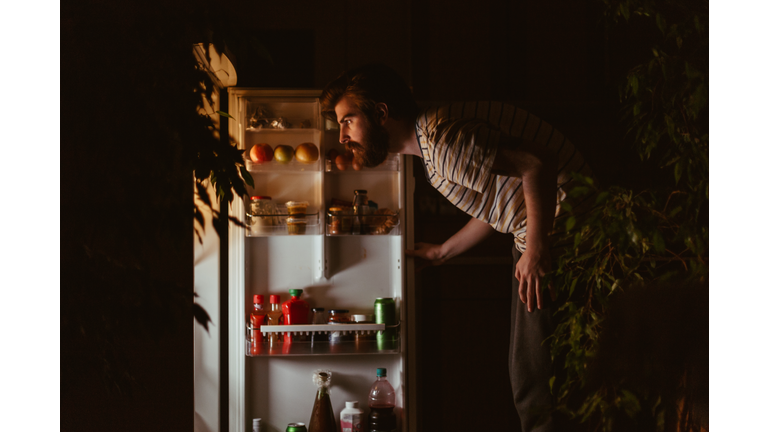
259	210
361	209
338	221
296	225
339	316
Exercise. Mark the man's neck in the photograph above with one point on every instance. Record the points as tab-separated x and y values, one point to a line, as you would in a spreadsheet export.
403	138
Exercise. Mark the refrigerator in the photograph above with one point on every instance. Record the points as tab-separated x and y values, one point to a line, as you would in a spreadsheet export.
341	260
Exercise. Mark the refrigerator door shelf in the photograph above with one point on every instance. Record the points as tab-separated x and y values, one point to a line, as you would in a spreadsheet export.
322	328
293	166
367	346
390	165
260	225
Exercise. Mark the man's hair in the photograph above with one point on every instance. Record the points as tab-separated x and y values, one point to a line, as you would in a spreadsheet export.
366	86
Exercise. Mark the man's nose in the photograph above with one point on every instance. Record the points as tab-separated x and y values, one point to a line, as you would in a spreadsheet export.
343	138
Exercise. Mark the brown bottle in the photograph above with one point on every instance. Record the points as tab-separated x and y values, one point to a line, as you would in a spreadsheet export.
322	419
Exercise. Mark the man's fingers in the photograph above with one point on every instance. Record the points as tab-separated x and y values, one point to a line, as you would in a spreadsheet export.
521	290
531	293
539	301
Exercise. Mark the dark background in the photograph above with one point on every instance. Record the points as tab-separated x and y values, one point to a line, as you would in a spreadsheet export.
557	59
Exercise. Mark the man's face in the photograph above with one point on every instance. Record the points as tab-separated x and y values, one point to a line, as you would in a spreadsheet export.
368	140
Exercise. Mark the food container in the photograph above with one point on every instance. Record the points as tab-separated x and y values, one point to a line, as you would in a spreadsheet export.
339	316
338	221
258	211
296	208
296	225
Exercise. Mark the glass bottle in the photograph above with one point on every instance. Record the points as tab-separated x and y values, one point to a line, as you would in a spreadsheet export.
258	315
322	419
274	317
361	210
381	401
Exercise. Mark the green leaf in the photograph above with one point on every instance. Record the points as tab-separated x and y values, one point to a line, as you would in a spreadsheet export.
679	42
570	223
222	113
551	383
678	171
601	197
246	176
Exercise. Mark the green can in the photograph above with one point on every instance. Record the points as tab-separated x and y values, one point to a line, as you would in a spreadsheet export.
384	312
296	427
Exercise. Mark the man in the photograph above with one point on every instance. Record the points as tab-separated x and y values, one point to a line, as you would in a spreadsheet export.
506	168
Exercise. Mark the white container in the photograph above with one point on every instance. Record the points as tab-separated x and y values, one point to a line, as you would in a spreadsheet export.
351	418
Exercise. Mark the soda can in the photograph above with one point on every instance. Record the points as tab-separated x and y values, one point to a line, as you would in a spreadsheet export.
384	313
296	427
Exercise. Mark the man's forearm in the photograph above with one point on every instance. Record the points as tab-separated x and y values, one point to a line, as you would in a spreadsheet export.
539	188
467	237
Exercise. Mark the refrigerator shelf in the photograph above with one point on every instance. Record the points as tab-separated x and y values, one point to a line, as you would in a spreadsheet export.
323	328
260	225
315	348
390	165
293	166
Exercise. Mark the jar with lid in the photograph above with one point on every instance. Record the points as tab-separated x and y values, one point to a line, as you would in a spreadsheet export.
339	316
259	211
361	210
318	317
338	221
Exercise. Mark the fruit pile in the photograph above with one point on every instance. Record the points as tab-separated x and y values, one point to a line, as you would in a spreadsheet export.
306	153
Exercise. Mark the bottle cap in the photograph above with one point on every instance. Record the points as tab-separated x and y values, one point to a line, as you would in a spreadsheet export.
295	292
273	298
257	197
351	404
258	298
381	372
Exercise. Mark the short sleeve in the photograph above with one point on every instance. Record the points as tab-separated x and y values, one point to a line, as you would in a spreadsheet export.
464	151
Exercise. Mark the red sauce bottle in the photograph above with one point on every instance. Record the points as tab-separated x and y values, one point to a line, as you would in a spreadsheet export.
257	319
295	311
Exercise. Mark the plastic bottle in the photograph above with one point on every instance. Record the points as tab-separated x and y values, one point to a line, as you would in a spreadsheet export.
351	418
257	425
295	311
258	315
381	401
273	317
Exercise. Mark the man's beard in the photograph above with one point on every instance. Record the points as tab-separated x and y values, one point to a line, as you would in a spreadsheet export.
374	149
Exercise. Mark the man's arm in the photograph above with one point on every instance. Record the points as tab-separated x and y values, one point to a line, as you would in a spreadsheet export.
467	237
538	171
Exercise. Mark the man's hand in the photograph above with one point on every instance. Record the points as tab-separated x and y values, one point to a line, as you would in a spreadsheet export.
428	253
530	271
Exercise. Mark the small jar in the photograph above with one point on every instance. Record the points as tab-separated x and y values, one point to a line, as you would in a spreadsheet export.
258	214
339	316
296	226
338	222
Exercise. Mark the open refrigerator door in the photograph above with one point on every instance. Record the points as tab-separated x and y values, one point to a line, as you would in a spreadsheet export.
336	233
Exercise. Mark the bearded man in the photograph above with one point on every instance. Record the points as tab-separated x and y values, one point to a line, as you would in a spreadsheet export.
506	168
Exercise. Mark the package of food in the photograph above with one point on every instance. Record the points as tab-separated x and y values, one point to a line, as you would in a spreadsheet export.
296	225
381	221
297	207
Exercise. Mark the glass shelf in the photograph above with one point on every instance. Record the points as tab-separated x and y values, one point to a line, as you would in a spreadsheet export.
373	224
264	225
390	165
313	348
293	166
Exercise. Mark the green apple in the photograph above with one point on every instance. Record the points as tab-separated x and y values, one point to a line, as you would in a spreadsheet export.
283	153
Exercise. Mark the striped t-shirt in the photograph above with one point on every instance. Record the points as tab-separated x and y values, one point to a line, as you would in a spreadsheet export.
458	143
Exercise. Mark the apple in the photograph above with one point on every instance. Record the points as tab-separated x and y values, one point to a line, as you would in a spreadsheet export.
283	153
262	153
307	153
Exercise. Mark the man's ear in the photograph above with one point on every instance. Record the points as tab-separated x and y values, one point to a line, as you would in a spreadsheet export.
382	112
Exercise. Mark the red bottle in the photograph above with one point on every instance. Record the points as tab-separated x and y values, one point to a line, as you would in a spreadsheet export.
295	311
258	315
